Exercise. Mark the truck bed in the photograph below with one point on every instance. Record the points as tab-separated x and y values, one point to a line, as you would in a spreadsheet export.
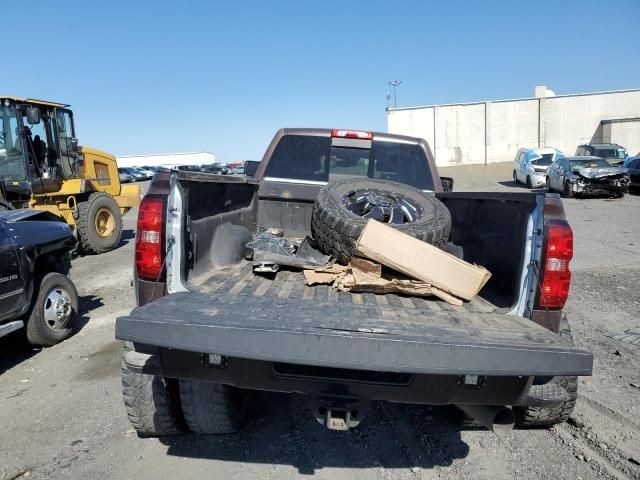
238	314
289	284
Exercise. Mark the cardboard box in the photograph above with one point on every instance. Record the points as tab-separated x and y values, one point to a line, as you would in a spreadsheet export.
422	261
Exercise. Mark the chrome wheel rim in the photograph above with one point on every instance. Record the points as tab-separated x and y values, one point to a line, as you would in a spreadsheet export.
57	309
384	206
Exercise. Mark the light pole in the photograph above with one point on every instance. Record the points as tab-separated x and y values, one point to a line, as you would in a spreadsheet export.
394	84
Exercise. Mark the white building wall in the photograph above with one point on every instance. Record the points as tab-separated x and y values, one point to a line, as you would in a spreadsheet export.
511	125
460	134
493	131
571	121
416	123
625	133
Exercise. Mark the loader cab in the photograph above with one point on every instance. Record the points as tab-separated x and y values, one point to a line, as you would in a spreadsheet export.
38	148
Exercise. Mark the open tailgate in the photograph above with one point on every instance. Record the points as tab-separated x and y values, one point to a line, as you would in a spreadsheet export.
343	335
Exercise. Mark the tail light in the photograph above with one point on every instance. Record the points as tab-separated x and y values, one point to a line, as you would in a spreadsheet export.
150	239
352	134
556	276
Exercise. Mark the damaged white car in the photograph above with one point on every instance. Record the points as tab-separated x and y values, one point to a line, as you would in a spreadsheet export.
582	176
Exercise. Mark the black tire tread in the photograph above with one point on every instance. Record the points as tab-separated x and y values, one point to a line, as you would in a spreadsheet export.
336	230
532	417
212	408
152	403
83	223
547	417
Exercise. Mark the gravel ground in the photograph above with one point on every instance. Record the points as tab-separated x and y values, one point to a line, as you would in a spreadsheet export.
62	413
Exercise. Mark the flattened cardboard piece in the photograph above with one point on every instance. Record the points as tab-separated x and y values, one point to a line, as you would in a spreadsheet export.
356	280
366	266
442	295
332	268
421	261
324	275
312	277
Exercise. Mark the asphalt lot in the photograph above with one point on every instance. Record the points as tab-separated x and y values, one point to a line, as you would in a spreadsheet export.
62	414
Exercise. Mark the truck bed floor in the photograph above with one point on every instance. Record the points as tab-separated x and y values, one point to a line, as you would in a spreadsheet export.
240	280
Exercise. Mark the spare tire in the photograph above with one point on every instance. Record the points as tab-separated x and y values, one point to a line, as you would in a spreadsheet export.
343	208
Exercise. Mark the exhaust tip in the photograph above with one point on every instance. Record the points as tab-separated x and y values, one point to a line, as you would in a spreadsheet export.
504	421
500	420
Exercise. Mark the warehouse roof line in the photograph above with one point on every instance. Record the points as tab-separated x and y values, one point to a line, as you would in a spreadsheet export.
397	109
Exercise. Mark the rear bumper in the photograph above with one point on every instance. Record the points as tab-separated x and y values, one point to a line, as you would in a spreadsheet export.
329	382
342	337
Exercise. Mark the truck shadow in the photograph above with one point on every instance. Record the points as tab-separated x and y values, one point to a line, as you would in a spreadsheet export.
87	304
16	349
511	183
127	234
282	431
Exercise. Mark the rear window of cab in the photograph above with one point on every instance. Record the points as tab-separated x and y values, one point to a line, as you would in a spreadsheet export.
314	158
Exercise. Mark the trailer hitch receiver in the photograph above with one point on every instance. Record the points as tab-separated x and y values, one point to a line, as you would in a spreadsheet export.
339	414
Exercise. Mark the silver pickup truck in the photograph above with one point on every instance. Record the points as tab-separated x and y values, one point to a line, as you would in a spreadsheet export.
208	331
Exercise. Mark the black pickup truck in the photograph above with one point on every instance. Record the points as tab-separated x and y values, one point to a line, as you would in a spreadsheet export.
35	291
207	330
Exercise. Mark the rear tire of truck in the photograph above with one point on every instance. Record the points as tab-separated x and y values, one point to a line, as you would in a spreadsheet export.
99	223
213	408
338	220
515	178
152	403
55	311
544	417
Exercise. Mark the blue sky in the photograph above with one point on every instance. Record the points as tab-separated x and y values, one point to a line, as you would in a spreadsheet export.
152	77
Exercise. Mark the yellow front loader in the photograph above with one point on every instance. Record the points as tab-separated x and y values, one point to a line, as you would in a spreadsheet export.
42	167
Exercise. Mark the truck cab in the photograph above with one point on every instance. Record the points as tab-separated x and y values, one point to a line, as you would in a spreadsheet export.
38	148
